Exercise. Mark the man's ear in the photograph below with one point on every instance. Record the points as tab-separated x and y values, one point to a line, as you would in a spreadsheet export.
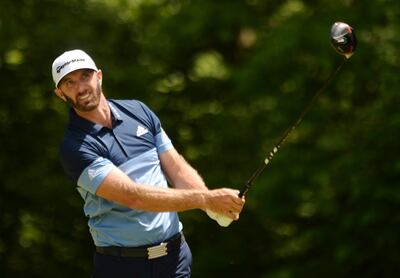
99	75
60	94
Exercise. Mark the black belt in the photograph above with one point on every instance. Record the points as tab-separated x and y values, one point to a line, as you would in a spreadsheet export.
150	252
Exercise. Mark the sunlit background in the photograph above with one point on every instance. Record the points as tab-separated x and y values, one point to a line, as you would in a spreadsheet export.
226	78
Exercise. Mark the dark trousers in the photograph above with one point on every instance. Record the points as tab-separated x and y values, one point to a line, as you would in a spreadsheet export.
177	263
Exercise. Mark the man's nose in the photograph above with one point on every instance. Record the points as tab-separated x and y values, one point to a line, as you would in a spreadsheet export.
80	86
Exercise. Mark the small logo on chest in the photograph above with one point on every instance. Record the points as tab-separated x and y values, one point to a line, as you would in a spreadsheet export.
141	131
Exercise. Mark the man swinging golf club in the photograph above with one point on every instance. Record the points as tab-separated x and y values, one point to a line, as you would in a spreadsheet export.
121	158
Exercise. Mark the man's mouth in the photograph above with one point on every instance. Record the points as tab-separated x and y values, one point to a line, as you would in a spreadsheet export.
83	96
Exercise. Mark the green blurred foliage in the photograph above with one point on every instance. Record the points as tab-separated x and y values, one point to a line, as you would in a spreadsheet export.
226	78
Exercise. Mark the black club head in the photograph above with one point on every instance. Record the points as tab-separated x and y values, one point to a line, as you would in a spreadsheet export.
343	39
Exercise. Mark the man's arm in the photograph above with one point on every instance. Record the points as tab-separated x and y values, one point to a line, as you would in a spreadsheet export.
179	172
182	175
118	187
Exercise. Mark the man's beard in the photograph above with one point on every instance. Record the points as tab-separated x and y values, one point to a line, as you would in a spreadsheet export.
89	104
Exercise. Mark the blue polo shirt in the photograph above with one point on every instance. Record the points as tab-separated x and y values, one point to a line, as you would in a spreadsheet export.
90	151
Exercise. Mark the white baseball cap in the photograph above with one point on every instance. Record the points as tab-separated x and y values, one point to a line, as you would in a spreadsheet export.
70	61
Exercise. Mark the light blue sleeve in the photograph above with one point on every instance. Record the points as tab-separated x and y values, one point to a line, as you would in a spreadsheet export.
163	143
93	175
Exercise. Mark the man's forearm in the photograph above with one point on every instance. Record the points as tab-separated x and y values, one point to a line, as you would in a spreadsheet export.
120	188
188	177
179	172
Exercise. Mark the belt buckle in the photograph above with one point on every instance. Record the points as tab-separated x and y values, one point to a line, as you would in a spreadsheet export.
157	251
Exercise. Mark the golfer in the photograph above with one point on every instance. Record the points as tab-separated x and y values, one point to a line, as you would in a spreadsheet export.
120	158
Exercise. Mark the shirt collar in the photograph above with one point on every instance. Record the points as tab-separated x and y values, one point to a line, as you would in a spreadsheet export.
90	127
115	114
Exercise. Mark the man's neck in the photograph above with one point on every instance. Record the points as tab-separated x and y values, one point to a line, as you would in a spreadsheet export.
100	115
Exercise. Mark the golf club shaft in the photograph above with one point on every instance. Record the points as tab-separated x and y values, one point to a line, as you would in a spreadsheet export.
287	133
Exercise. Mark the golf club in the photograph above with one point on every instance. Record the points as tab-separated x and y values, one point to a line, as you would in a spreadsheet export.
344	42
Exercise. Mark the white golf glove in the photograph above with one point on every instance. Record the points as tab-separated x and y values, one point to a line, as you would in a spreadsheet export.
223	221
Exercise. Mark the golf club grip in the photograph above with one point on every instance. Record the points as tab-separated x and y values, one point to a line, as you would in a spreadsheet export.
249	183
243	191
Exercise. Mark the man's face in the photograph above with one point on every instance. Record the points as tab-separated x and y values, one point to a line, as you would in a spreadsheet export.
82	89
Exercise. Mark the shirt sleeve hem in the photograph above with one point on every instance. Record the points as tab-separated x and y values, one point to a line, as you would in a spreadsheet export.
93	175
163	143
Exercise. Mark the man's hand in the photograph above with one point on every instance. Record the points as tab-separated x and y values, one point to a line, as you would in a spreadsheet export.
224	206
225	201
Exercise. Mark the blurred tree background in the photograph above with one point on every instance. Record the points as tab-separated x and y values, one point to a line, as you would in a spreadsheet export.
226	79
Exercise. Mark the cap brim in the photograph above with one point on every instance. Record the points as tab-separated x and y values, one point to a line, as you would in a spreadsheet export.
72	69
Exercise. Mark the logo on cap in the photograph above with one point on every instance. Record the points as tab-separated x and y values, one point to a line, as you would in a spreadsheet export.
59	68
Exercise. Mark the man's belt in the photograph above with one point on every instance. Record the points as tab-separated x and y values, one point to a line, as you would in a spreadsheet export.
150	252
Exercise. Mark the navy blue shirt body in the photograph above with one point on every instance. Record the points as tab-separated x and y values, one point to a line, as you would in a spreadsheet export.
90	151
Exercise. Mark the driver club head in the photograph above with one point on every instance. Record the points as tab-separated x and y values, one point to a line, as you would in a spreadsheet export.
343	39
